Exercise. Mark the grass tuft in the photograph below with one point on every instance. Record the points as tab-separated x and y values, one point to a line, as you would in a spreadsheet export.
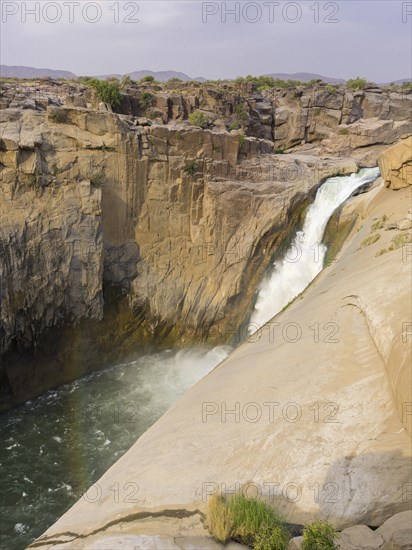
219	519
319	535
370	240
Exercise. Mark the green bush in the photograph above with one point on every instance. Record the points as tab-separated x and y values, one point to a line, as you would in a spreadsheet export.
190	168
343	131
319	535
126	82
250	516
146	100
240	117
271	538
242	140
287	83
246	520
107	91
198	119
332	89
148	78
264	82
356	83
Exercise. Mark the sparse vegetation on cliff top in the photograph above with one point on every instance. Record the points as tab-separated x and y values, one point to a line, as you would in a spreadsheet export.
107	91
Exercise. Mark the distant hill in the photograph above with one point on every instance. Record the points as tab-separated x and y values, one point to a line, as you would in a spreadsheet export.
398	82
9	71
306	77
19	71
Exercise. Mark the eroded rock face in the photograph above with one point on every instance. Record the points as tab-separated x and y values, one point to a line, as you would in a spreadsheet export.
181	222
395	164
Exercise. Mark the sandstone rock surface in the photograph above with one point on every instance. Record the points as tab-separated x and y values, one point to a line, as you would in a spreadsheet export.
395	164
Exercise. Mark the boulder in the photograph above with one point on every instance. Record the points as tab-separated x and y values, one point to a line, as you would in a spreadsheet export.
397	532
295	543
359	537
395	164
404	224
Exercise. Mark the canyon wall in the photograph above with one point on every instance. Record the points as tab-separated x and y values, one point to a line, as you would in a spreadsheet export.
117	231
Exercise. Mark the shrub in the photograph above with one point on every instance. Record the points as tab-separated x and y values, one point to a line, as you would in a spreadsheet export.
287	83
97	179
370	240
198	119
378	224
343	131
263	82
108	91
279	151
319	535
247	520
242	140
356	83
400	240
219	519
406	85
332	89
190	168
240	117
148	78
250	516
58	116
271	538
126	82
146	100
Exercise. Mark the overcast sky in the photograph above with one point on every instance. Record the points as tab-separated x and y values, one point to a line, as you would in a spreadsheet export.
338	39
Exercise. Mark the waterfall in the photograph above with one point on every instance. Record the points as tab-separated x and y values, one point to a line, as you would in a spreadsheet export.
305	257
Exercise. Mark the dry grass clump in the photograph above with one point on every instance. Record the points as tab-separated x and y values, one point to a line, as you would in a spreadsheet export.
370	240
246	520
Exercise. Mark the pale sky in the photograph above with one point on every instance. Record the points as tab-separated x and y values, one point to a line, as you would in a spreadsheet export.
341	39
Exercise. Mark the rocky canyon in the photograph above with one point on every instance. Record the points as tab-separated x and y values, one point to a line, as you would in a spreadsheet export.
151	224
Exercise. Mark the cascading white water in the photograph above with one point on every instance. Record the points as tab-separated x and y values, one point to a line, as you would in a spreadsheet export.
305	257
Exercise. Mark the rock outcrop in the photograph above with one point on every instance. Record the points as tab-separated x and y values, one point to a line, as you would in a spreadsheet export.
395	164
394	534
